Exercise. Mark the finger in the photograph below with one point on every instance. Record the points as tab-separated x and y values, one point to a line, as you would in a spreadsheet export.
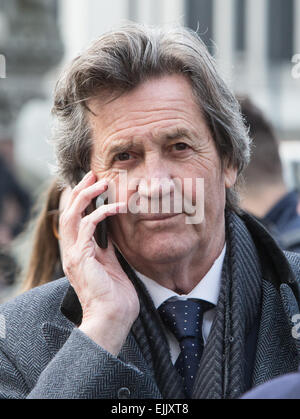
84	198
89	222
71	217
86	181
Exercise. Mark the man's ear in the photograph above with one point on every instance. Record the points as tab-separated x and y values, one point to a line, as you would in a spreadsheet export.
230	176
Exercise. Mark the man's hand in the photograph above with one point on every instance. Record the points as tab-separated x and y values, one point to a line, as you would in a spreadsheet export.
109	301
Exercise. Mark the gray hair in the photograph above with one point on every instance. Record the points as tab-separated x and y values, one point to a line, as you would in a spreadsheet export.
120	60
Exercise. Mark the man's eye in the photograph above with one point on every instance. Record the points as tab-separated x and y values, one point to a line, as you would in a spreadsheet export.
180	146
122	157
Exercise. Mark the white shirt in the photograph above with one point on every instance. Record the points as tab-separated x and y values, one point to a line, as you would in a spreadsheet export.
207	289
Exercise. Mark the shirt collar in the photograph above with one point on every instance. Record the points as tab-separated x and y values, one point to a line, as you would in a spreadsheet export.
207	289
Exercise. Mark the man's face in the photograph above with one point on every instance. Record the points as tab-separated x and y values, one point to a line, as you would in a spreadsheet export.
157	131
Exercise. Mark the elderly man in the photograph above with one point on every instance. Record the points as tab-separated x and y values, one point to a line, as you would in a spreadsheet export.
170	308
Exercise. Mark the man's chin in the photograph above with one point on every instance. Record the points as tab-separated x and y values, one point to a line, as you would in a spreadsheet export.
165	249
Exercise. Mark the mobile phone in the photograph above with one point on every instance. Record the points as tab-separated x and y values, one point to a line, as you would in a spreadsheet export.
101	228
100	234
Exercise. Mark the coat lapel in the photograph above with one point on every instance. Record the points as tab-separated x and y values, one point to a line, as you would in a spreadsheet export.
277	351
276	348
291	309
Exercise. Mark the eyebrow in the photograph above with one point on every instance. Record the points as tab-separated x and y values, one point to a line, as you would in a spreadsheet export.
127	144
179	133
119	148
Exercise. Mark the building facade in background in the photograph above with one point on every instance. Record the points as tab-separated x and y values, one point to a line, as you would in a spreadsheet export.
253	41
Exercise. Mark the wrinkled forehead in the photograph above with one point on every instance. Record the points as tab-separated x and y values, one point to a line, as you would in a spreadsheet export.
147	120
155	100
164	88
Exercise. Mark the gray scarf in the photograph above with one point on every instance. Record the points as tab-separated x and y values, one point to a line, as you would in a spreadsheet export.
222	370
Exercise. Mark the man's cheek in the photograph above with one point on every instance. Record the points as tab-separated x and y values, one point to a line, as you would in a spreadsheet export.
117	188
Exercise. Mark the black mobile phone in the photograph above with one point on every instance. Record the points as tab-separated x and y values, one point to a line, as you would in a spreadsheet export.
101	228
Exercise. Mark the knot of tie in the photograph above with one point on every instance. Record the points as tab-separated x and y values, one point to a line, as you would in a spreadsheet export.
184	318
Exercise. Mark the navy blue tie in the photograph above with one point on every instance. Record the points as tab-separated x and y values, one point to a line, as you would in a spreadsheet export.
184	318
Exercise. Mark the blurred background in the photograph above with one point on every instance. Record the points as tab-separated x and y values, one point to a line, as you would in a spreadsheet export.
255	43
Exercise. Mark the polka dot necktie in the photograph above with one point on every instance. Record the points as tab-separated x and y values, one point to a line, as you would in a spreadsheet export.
184	318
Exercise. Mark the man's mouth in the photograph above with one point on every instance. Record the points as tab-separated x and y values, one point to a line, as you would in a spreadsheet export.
157	217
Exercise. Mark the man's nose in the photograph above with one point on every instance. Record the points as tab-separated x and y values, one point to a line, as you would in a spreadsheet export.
156	181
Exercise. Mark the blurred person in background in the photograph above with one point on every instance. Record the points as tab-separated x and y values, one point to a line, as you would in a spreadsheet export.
44	262
15	204
266	195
